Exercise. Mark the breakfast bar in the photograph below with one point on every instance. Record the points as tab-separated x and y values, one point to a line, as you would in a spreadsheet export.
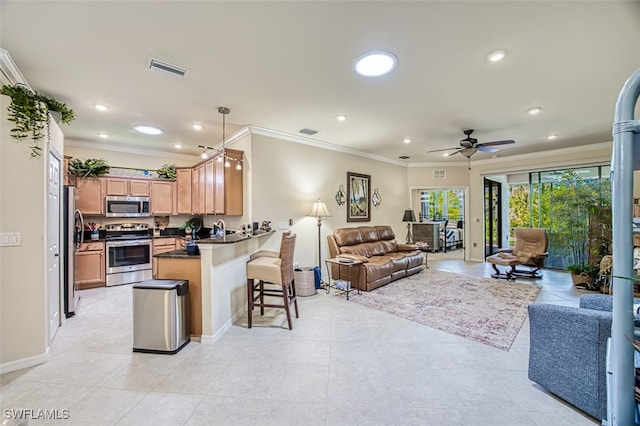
218	274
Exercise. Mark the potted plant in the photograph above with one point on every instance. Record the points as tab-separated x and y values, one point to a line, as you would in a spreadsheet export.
167	171
29	111
91	167
584	274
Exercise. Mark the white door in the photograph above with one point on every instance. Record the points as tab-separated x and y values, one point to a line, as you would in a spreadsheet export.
53	245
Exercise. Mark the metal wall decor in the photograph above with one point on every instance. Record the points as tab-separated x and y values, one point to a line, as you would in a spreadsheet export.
376	199
340	197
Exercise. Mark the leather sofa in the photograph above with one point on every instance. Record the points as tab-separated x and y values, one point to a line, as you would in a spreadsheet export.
384	260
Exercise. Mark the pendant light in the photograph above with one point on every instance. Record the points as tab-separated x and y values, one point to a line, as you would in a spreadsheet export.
224	111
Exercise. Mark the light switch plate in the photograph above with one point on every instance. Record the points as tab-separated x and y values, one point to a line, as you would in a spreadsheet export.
10	239
283	225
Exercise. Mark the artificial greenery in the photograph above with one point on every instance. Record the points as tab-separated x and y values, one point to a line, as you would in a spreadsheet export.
67	115
29	111
167	171
91	167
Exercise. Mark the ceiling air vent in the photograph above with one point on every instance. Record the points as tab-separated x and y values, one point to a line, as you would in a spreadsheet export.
439	174
167	68
404	157
308	132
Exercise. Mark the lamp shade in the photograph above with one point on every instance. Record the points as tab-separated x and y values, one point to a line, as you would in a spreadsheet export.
319	210
409	216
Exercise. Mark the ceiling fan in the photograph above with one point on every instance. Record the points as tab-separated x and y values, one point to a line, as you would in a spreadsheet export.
469	146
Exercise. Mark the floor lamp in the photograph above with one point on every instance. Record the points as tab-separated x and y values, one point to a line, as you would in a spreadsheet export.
320	211
409	217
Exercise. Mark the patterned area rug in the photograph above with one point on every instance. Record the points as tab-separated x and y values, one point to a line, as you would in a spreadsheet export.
485	310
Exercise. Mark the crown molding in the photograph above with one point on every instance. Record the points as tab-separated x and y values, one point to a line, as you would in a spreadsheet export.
115	147
263	131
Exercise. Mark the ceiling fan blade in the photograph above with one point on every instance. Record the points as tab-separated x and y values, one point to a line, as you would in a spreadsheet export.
495	143
445	149
455	152
484	148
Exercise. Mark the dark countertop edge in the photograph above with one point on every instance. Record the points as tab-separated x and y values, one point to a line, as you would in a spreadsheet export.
232	238
176	254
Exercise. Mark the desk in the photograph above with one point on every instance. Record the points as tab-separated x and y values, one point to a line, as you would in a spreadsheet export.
341	265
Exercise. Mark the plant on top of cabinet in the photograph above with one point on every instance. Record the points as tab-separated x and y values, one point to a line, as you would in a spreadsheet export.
29	111
91	167
167	171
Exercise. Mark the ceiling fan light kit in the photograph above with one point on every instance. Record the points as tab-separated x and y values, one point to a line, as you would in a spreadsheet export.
469	146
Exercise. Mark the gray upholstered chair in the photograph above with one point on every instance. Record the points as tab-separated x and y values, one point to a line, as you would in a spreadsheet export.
567	351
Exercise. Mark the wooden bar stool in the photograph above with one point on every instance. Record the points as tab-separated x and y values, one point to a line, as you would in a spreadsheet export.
274	275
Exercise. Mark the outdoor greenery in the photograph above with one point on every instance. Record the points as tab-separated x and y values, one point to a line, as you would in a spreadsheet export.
441	204
29	111
575	211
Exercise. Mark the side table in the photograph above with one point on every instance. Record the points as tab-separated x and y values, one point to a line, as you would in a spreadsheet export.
342	264
424	248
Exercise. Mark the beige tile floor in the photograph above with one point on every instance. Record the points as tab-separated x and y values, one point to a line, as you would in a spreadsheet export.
343	364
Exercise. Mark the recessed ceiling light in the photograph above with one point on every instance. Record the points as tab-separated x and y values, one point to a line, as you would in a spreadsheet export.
103	135
196	126
148	130
341	117
552	137
496	55
101	107
406	140
534	111
446	154
375	64
177	146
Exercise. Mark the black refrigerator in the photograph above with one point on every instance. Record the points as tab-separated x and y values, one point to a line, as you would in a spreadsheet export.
73	227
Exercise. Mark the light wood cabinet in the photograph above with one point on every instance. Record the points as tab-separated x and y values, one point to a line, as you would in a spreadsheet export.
127	187
184	189
219	189
90	265
161	245
186	269
90	193
162	197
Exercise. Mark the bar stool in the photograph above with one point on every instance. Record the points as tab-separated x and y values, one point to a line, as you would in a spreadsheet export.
271	274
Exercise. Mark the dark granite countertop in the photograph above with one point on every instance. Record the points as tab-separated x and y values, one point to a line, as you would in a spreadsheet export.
176	254
233	238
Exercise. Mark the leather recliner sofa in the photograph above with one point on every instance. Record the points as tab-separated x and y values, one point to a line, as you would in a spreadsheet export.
384	260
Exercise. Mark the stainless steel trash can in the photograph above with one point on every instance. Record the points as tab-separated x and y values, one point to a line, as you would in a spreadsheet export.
160	320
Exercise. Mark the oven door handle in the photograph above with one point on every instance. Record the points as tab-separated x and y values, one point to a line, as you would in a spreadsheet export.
127	243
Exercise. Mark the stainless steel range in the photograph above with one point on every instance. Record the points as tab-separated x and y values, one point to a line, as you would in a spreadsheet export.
129	249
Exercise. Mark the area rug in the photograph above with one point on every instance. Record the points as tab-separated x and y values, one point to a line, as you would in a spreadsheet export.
485	310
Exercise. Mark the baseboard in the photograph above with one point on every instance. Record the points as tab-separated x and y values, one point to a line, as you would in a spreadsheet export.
31	361
208	339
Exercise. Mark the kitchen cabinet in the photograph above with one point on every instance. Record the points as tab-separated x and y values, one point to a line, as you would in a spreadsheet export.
127	187
219	189
186	269
162	245
184	188
161	197
90	193
90	265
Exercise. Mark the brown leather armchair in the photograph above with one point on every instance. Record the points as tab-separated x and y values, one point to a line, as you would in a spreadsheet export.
529	251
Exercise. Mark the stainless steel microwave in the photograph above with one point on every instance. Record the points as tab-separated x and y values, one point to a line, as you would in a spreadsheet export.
117	206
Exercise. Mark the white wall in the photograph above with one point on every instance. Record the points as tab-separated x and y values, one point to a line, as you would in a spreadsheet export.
23	303
288	177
